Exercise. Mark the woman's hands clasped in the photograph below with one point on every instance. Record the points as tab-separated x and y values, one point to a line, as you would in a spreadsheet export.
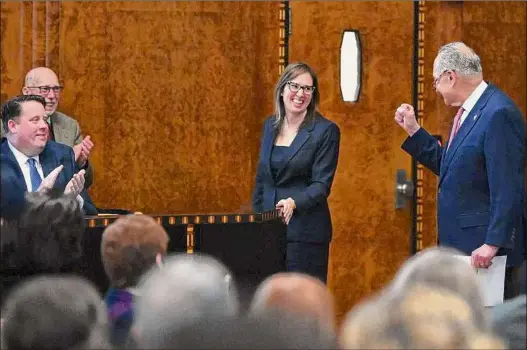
286	207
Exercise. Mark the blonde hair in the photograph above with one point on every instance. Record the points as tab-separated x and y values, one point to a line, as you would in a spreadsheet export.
421	318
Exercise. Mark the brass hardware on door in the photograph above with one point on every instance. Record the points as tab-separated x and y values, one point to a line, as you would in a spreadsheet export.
404	189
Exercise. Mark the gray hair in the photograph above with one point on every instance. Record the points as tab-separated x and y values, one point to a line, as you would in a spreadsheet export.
440	267
185	290
457	57
55	312
292	71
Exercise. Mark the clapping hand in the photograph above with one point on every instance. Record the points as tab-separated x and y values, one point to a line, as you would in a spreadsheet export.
76	184
82	151
49	181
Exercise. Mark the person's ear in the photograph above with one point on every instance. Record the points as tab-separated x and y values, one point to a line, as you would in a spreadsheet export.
11	126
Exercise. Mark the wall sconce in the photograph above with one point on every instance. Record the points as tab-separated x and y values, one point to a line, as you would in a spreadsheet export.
350	66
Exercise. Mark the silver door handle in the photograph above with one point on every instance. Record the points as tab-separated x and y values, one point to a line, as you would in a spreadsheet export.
404	189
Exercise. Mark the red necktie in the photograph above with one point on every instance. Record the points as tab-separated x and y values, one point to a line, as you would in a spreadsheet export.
455	126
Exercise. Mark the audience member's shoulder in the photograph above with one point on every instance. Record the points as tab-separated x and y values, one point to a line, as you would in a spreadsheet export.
60	115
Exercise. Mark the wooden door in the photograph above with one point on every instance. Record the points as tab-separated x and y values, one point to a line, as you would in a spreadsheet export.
370	237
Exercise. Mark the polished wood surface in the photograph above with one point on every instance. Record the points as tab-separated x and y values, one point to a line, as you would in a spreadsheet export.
192	219
371	238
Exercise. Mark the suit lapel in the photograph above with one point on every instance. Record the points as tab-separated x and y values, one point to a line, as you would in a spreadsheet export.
6	151
46	160
59	130
269	137
472	118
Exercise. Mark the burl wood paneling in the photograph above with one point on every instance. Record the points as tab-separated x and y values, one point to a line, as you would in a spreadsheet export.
173	94
497	32
28	39
371	238
12	48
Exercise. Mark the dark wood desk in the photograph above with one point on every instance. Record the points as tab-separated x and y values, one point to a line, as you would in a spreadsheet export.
251	245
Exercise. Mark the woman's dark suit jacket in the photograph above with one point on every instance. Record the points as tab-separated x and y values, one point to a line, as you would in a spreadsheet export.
306	177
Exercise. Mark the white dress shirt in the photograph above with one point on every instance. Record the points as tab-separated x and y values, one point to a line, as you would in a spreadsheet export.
472	100
22	161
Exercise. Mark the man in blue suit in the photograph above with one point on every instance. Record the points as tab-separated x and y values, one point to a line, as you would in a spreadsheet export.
29	162
481	191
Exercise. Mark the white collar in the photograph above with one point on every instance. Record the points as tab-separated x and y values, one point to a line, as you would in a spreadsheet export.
471	101
20	157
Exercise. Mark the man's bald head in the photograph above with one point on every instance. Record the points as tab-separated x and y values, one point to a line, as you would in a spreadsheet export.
36	76
297	294
44	82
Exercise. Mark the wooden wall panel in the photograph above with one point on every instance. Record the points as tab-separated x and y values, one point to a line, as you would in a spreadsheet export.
371	238
11	48
28	39
172	93
496	30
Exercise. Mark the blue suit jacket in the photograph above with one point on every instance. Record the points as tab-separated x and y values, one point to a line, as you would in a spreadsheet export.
481	191
14	187
306	177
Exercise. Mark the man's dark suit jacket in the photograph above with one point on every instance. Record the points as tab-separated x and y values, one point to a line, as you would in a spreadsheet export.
481	191
306	177
14	187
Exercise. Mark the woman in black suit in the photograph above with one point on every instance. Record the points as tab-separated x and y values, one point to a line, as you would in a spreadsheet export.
298	159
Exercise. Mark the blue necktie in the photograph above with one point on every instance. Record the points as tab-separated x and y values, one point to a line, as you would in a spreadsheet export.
33	174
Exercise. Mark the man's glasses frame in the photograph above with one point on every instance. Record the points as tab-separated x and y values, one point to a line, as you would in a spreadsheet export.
46	89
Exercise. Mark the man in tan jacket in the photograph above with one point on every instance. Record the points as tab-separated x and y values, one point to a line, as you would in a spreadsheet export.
44	82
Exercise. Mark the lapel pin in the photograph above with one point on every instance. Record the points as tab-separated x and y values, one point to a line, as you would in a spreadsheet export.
475	117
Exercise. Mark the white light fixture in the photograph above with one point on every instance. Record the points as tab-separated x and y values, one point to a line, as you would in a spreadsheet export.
350	66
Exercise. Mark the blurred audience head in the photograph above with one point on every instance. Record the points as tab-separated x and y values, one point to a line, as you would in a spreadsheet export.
509	320
297	294
242	333
130	246
187	289
422	317
440	267
52	312
48	236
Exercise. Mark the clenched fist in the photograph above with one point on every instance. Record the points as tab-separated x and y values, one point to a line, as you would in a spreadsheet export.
405	117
